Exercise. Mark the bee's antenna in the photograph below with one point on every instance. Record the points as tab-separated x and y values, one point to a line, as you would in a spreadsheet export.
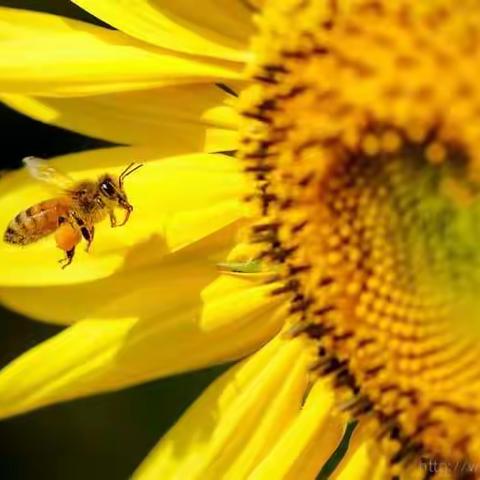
129	170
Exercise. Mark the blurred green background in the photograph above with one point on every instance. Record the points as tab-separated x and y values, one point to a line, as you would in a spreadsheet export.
102	437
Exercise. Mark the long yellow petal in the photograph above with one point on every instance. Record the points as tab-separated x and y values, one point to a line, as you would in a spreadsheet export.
310	440
190	269
155	329
181	119
217	28
239	416
177	201
365	461
43	54
363	464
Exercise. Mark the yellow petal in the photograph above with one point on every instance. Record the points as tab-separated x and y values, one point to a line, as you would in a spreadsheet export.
192	268
42	54
310	440
363	464
238	417
181	119
177	201
217	28
152	330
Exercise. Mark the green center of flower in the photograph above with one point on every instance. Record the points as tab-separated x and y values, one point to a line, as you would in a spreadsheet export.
420	224
369	206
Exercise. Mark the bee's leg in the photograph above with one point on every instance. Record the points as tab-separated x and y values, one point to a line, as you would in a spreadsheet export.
68	258
87	234
67	237
129	210
87	231
113	219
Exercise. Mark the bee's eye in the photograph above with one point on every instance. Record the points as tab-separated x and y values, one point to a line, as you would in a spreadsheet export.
107	188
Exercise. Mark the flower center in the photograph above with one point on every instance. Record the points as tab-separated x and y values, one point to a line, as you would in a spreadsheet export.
367	187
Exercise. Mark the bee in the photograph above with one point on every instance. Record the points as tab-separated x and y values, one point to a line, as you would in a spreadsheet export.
71	215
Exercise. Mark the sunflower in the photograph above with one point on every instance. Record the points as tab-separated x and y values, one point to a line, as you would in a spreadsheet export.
309	205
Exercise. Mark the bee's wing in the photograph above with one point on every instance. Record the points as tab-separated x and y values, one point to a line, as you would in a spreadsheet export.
43	171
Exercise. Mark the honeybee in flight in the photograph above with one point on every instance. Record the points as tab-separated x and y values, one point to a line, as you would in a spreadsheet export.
74	212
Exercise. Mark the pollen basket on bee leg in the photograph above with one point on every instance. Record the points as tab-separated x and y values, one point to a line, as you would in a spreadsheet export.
67	237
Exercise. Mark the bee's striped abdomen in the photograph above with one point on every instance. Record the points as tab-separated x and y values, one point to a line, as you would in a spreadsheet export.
34	223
